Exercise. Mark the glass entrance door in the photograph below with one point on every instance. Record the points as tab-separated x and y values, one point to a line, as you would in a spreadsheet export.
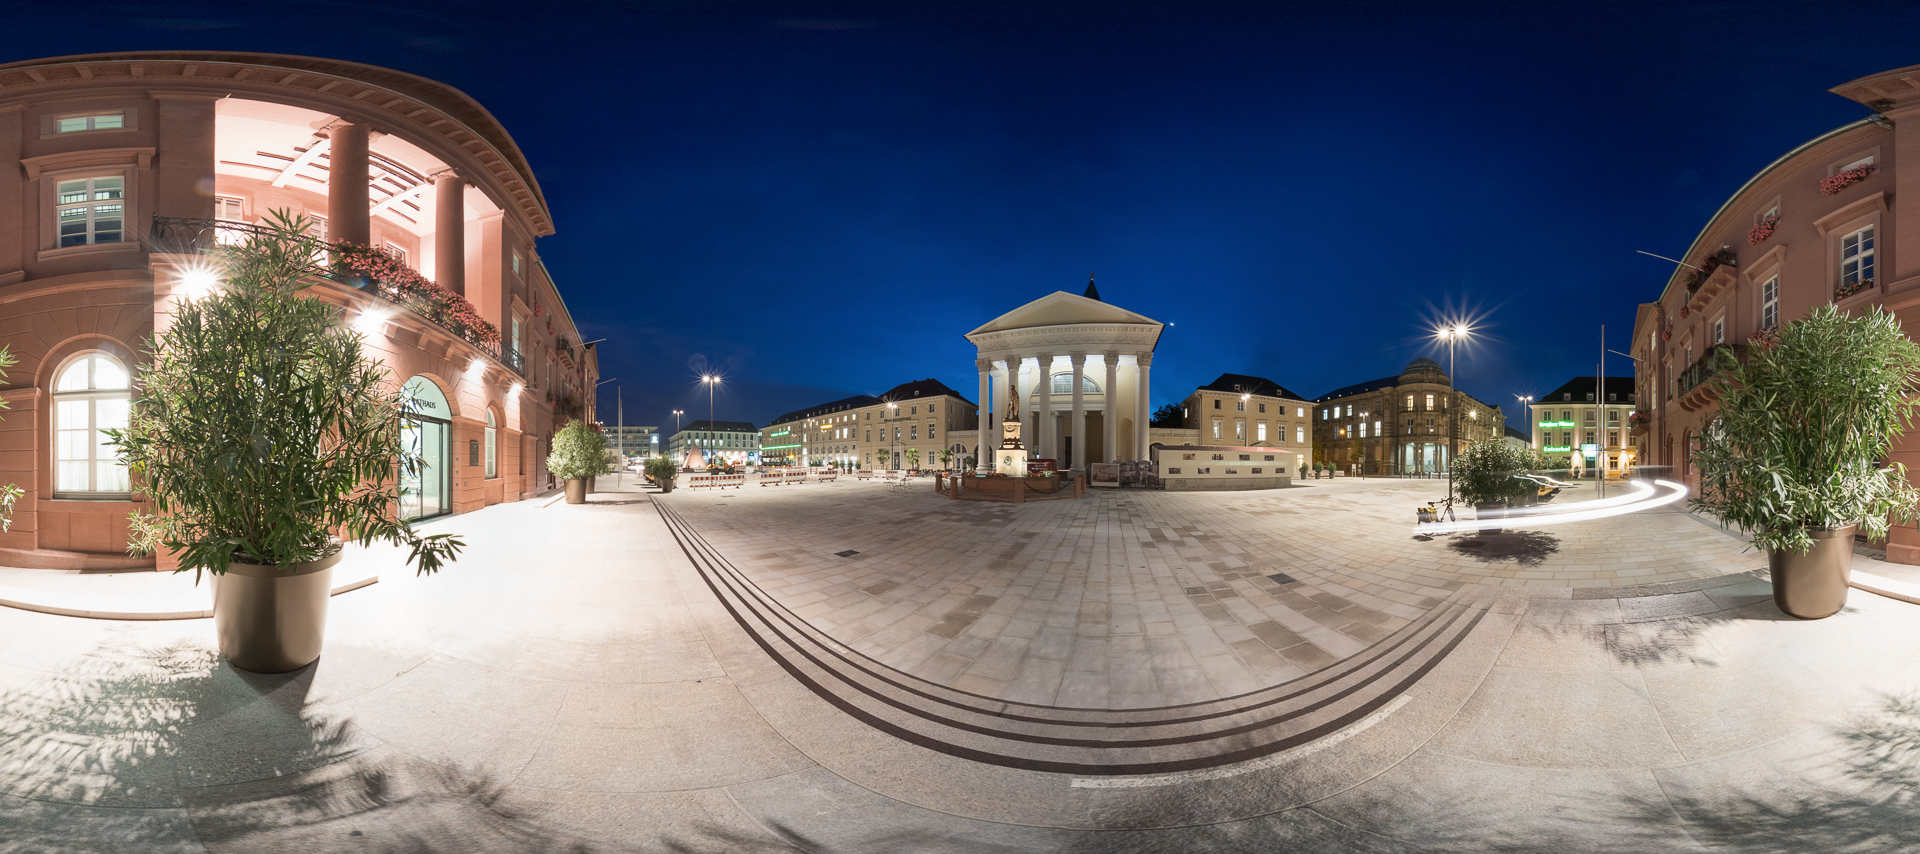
426	491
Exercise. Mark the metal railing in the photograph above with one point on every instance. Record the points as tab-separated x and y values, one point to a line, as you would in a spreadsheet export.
182	235
1702	369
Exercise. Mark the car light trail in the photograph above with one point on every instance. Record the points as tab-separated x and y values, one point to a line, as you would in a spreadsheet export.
1643	497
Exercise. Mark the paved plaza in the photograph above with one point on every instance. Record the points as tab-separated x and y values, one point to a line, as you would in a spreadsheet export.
691	673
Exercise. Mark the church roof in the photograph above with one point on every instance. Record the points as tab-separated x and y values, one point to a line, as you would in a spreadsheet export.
1061	309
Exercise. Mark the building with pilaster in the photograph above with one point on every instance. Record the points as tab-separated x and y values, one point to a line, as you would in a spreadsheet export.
1079	369
1573	420
923	416
1400	424
736	442
121	172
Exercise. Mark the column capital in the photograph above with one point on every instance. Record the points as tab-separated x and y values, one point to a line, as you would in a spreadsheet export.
983	365
1111	357
1079	360
1044	359
1145	359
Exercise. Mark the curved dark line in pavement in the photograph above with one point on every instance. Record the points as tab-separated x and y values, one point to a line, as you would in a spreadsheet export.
748	591
1025	763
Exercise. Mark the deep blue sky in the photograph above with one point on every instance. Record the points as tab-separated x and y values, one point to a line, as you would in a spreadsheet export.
822	198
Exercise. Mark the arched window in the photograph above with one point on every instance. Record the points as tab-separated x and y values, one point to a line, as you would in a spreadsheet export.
493	435
90	395
1063	384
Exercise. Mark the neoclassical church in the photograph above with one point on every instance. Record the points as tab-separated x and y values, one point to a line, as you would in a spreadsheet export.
1030	357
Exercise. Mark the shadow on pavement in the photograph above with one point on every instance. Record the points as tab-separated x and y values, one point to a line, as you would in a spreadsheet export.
1526	548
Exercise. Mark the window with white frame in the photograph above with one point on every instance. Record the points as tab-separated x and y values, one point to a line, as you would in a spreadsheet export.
1299	412
396	251
317	227
1260	432
1429	401
1299	435
229	208
1363	429
493	442
90	395
1770	303
1239	430
1239	406
1720	330
1376	429
91	210
115	120
1856	257
1216	428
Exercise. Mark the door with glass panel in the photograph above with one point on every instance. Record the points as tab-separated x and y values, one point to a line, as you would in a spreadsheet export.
425	433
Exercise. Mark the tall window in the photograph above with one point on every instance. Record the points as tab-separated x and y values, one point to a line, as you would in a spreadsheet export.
493	441
1856	257
1409	403
1239	430
1770	303
1260	432
1239	406
1216	428
91	210
1719	335
1299	434
930	432
90	395
1429	401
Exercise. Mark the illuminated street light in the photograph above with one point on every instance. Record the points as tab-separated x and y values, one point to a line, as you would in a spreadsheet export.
1453	335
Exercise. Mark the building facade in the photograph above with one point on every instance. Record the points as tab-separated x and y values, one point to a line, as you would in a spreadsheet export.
123	169
1243	410
1399	425
923	416
1817	226
634	441
1572	420
1033	355
736	442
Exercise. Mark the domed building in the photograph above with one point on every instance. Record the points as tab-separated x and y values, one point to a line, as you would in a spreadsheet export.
1399	424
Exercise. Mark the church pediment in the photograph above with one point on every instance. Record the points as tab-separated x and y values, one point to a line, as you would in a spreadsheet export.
1062	309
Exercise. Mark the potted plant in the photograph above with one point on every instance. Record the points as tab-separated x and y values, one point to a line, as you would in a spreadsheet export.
9	493
1794	456
1486	476
579	452
259	429
662	472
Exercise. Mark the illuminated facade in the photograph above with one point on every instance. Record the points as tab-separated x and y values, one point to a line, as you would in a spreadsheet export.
1570	420
125	168
1398	425
1817	226
924	416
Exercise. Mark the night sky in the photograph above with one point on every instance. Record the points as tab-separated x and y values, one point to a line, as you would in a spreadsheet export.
820	199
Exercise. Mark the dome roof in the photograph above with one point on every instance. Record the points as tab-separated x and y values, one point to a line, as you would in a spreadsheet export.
1423	364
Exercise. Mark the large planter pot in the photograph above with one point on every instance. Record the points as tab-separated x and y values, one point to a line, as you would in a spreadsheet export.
664	483
1490	510
272	619
1814	585
576	491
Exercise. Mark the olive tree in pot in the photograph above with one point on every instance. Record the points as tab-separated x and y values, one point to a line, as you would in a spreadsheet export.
1486	476
579	452
1794	454
259	428
662	471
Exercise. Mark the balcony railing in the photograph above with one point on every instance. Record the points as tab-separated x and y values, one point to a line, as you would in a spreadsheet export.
188	234
1701	370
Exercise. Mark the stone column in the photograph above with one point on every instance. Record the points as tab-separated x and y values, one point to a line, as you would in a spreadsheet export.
450	231
1079	461
989	426
348	218
1043	438
1143	389
1110	411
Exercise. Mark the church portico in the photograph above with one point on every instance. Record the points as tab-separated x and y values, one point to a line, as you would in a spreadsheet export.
1039	354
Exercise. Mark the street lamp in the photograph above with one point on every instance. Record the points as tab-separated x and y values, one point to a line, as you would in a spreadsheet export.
676	432
893	411
711	382
1453	334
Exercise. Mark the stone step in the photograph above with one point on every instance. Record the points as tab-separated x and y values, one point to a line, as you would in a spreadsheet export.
1079	740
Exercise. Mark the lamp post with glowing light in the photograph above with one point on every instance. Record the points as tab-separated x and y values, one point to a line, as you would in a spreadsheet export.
711	382
676	431
1452	334
893	411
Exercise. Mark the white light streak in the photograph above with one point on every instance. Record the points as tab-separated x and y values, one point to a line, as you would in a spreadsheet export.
1643	497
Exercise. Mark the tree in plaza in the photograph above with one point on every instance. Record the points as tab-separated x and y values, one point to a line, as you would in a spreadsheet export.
882	455
912	456
1168	416
946	457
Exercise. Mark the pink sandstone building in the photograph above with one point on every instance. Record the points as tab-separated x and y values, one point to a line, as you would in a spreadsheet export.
121	169
1818	225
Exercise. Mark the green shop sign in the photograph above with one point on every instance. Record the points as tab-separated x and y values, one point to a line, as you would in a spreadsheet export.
1556	423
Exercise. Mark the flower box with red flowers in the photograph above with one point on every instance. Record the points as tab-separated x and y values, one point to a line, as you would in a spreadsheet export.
1841	180
1759	233
1848	289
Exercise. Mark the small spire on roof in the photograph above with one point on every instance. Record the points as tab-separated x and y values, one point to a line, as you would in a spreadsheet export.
1092	293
